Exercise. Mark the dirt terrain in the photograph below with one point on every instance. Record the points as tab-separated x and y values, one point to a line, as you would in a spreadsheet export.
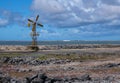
63	64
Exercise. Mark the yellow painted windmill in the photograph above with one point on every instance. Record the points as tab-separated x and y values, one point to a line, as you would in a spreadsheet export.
34	34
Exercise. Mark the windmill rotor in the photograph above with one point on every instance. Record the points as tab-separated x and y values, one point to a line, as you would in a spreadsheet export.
39	24
37	17
30	20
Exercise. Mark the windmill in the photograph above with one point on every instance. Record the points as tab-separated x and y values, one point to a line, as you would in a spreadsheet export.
34	34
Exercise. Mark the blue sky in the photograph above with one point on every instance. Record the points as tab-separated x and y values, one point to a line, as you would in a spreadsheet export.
62	19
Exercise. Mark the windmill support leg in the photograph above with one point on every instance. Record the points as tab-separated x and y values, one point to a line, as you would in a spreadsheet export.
34	42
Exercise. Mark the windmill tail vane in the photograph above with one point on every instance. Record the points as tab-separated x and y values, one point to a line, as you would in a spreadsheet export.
28	24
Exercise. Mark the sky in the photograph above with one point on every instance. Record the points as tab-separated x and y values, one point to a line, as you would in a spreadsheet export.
62	19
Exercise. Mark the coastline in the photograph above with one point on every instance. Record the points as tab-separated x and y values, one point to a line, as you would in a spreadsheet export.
57	47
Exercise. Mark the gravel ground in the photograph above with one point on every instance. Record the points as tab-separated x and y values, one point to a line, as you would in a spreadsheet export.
60	64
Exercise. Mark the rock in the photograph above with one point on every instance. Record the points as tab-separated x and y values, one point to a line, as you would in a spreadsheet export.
85	77
70	68
31	61
38	81
66	79
111	65
42	76
57	80
36	76
5	79
39	78
28	80
14	81
109	78
5	59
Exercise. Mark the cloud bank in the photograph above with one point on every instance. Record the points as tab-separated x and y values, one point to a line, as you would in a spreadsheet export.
76	13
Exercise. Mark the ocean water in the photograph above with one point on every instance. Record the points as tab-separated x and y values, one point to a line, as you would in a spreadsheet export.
57	42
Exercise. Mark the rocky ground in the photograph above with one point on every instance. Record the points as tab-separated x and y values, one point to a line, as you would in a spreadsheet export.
61	64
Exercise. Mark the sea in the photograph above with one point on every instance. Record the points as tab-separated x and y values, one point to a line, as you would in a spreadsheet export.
64	42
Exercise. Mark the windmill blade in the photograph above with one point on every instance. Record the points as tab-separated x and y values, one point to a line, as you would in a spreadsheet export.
39	24
37	17
30	21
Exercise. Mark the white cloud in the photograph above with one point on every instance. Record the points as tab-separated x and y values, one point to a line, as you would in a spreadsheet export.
75	13
74	31
111	2
52	6
3	22
10	18
44	31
